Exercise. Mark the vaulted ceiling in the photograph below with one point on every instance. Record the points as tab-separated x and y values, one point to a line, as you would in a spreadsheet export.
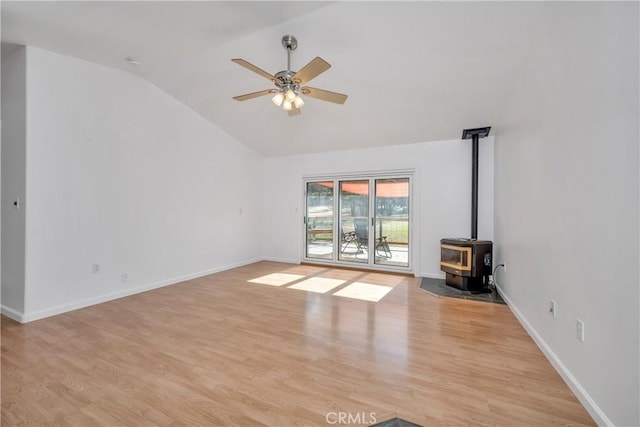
414	71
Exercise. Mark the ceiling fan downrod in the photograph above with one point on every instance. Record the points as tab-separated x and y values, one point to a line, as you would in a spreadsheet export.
290	43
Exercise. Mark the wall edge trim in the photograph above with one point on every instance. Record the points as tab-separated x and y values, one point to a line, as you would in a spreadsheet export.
284	260
64	308
585	399
12	314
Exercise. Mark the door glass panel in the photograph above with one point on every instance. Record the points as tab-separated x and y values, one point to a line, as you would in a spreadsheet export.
319	235
391	245
455	257
354	221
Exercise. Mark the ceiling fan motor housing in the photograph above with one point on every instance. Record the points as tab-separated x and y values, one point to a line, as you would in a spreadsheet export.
283	80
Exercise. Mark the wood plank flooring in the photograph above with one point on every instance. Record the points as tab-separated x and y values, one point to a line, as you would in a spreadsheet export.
220	350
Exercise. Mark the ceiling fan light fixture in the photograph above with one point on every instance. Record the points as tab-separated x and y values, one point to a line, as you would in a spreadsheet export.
299	102
286	105
291	95
278	99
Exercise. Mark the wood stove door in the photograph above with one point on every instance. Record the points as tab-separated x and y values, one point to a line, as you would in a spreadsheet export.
455	257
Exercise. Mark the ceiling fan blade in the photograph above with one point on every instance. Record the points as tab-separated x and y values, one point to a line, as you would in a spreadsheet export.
253	68
313	69
254	94
294	111
325	95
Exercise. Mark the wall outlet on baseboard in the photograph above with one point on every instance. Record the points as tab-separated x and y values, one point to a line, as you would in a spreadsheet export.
95	268
124	277
552	308
580	330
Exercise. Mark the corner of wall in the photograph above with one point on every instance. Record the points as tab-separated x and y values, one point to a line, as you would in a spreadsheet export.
13	177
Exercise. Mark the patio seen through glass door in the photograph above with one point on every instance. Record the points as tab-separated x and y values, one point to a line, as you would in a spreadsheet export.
319	220
372	225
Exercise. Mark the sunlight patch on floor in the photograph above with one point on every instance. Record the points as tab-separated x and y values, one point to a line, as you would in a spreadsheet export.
276	279
318	284
364	291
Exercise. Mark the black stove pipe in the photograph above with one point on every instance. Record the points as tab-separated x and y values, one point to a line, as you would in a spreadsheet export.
474	188
475	135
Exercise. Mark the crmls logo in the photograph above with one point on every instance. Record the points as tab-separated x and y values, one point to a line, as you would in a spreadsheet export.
350	418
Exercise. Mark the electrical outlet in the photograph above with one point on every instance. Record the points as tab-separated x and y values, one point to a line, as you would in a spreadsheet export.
580	330
504	266
95	268
125	277
552	308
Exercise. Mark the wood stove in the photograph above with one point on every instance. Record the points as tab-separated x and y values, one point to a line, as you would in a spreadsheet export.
467	262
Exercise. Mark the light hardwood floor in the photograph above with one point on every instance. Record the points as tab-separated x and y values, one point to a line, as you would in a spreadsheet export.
220	350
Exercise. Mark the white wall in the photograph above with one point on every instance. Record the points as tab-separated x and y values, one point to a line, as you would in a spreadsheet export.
442	194
122	175
567	190
13	180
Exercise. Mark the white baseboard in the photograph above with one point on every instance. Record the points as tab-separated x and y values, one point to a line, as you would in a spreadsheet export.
590	405
64	308
433	275
285	260
12	314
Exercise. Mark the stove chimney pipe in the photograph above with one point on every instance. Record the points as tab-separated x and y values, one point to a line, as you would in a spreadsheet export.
475	135
474	187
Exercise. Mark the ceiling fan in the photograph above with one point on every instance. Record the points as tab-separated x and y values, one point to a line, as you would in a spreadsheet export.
290	84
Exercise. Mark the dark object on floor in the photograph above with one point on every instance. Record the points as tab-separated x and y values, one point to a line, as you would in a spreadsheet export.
467	263
395	422
439	288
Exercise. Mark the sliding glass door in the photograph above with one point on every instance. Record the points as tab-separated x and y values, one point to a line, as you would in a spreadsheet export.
319	220
354	221
372	225
392	222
